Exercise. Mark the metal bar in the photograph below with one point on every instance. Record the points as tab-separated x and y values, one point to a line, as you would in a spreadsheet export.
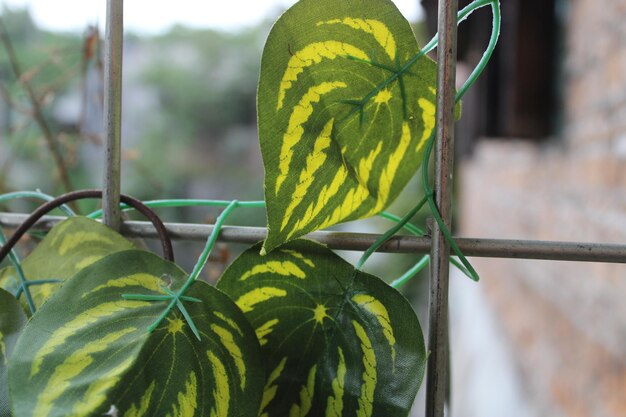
437	381
483	248
113	113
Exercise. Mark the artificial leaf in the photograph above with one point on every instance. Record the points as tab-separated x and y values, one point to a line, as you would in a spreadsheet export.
70	246
336	342
12	320
345	111
87	352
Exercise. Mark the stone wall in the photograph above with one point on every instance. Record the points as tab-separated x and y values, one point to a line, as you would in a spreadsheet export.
557	329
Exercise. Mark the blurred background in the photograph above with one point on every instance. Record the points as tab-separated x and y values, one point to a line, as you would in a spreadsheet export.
541	154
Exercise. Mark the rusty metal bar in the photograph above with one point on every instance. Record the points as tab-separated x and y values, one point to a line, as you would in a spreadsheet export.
437	381
113	113
483	248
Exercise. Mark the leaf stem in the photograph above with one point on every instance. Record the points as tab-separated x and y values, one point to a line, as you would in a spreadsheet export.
415	269
204	257
408	226
37	112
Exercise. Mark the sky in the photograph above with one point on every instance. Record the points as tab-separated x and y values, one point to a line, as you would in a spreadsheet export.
156	16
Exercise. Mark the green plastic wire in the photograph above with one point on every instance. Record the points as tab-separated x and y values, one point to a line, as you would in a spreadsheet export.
423	262
37	282
185	203
493	40
389	233
468	268
415	269
176	299
204	257
495	33
23	283
408	226
37	195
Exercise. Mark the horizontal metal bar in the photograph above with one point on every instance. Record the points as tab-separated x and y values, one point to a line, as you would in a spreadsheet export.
485	248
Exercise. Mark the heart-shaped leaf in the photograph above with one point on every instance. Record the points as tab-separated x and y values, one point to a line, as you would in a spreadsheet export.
12	321
345	111
86	352
70	246
336	342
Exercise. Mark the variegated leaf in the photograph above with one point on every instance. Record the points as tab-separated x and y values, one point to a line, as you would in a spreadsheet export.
87	352
12	321
336	342
69	247
343	114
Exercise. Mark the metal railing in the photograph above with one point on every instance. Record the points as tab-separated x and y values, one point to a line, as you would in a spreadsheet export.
437	382
437	379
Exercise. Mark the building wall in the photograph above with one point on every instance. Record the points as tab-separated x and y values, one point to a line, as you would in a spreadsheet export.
561	327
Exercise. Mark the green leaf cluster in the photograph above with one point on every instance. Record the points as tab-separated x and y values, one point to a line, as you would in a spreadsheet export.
346	109
87	351
296	331
336	341
345	112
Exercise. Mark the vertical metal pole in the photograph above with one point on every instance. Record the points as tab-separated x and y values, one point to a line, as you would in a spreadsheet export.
437	372
113	113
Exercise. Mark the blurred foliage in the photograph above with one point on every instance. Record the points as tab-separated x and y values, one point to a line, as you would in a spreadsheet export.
206	79
49	63
205	84
48	58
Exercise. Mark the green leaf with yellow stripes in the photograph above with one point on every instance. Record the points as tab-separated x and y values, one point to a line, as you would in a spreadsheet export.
336	342
70	246
345	109
86	352
12	321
